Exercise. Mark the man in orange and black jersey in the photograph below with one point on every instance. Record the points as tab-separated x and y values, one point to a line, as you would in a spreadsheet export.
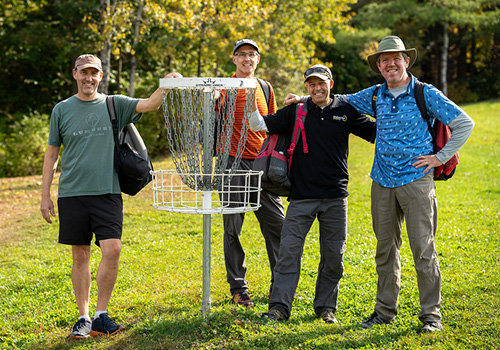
246	56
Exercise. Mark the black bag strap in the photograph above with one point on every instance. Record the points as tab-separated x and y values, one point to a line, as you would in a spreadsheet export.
374	101
419	97
265	89
112	116
114	123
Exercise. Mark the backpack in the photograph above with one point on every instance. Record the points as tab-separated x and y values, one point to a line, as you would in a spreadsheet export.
265	89
440	133
131	158
275	156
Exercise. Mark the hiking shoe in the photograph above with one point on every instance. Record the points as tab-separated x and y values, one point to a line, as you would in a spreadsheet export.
81	329
243	299
275	315
328	316
373	320
430	327
104	325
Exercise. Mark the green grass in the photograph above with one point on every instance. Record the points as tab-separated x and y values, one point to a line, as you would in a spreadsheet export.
158	292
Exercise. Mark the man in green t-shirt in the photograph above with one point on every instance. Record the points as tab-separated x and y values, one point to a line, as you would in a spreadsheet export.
89	196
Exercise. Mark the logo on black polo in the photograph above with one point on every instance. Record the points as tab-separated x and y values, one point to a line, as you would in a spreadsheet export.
342	118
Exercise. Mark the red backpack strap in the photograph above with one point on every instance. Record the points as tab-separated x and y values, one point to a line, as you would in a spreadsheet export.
299	124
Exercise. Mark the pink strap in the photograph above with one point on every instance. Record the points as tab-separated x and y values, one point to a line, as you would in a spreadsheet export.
271	145
300	115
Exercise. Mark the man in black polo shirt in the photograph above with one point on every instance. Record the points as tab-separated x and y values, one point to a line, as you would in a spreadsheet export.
319	189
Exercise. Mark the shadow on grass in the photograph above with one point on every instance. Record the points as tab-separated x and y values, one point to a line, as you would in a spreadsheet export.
236	328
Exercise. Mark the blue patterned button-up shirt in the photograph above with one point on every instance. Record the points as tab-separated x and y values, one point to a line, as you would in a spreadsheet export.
402	133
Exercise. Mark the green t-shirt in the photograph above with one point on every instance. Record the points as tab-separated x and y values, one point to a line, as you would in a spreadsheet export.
84	129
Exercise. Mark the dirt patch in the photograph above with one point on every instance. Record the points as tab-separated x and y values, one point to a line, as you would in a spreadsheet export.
19	198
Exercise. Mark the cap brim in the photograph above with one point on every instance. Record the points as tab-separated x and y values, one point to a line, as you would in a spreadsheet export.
243	44
321	76
89	65
372	59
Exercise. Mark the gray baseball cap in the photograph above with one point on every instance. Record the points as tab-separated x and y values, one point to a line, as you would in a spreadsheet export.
320	71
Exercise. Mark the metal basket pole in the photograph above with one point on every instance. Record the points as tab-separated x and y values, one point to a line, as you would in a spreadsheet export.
182	107
207	198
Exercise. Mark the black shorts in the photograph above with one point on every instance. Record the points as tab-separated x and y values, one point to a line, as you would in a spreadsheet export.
81	216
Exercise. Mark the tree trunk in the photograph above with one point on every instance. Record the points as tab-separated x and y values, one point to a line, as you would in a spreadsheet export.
461	64
118	76
199	58
133	60
444	60
106	66
107	9
105	54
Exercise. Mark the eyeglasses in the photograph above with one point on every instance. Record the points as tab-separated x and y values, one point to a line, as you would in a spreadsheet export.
246	54
320	70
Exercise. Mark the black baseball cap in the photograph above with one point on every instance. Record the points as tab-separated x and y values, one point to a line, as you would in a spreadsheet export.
245	42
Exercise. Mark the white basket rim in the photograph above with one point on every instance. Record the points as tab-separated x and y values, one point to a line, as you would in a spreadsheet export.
220	83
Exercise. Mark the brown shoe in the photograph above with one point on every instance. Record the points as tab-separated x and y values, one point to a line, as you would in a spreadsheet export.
374	319
275	315
328	316
243	299
430	327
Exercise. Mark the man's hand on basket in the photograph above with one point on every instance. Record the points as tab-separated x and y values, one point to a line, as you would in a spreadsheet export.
173	75
291	99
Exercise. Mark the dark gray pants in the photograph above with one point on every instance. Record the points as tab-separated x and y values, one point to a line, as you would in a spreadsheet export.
270	216
332	217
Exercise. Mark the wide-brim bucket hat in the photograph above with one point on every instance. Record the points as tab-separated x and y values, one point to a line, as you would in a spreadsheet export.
391	44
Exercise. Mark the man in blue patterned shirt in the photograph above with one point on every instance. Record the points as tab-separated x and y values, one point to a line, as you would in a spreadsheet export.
403	187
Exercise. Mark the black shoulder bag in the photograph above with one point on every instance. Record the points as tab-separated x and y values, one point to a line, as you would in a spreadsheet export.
131	158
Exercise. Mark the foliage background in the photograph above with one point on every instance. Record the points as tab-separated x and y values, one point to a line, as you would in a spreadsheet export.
140	41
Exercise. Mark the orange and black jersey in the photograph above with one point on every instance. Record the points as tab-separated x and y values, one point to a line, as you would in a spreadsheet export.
255	139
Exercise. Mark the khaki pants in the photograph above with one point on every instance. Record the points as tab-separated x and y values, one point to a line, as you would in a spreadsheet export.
417	204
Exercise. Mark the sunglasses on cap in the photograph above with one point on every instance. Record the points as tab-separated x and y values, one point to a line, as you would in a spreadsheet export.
320	70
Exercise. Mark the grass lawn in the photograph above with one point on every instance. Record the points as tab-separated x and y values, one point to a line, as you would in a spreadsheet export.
159	288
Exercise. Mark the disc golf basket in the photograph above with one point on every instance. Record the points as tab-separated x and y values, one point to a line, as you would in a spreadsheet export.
199	121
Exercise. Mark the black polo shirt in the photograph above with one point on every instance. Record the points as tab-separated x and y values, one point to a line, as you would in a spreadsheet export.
322	172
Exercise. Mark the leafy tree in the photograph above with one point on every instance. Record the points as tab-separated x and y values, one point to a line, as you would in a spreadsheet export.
470	27
40	41
140	41
197	37
347	58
